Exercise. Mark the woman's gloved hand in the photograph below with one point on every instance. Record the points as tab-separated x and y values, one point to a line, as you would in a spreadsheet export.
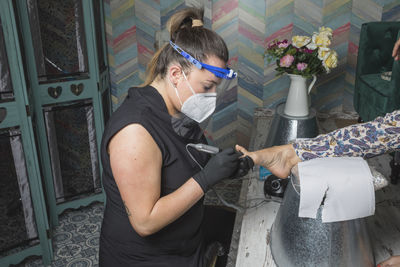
245	164
223	165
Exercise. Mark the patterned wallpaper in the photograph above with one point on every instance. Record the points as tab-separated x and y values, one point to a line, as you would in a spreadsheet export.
135	28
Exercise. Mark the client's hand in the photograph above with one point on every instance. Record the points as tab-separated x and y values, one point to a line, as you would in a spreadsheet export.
393	261
279	160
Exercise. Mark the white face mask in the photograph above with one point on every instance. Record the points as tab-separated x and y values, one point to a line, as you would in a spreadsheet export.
198	107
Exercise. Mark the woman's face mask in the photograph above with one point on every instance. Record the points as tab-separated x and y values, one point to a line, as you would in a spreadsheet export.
198	107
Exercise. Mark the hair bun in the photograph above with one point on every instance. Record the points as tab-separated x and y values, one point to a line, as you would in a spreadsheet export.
197	23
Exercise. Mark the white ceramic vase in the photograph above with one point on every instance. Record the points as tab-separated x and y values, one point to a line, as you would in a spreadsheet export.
297	103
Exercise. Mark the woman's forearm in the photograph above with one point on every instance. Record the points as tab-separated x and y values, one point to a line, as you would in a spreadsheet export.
169	208
360	140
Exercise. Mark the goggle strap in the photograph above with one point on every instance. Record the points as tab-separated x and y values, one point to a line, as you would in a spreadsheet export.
186	55
219	72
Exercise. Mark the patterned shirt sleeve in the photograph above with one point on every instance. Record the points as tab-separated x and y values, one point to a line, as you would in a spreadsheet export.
365	140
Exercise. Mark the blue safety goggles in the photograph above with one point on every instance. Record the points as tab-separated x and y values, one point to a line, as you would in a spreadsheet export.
227	73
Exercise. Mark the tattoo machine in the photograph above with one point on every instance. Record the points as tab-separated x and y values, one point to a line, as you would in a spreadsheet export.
245	163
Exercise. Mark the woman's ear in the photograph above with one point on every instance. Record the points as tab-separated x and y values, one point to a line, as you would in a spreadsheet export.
175	74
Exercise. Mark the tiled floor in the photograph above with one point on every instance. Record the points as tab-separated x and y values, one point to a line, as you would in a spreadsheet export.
76	239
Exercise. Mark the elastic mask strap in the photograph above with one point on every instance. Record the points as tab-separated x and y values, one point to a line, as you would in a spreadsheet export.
176	91
191	89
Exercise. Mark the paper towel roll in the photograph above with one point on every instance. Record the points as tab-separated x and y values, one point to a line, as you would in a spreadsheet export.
346	183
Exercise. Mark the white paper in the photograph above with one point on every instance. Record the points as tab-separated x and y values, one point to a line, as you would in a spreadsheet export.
347	184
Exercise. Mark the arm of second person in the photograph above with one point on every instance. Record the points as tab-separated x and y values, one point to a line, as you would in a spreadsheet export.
366	140
360	140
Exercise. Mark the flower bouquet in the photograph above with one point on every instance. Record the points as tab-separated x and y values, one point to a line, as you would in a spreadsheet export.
305	56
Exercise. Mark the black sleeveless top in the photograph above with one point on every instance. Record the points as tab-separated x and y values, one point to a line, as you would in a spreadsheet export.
179	243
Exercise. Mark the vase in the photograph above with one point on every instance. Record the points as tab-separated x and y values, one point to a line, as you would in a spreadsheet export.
297	102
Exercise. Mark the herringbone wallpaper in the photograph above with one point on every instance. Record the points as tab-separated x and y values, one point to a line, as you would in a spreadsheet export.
136	28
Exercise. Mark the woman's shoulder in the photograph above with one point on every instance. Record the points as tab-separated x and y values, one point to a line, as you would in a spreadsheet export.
133	133
139	102
141	106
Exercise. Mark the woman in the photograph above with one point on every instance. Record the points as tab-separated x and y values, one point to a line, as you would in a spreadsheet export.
154	181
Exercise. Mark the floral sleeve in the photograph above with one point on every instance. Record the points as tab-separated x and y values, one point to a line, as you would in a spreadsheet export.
360	140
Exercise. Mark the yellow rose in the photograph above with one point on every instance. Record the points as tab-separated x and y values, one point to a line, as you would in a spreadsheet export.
325	30
321	39
300	41
330	60
322	52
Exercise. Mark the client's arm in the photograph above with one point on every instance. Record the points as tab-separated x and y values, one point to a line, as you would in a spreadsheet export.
360	140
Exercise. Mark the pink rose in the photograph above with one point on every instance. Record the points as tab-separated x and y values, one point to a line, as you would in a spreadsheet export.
301	66
286	61
283	44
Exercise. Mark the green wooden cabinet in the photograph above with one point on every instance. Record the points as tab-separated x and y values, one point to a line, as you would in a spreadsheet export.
24	228
64	45
54	101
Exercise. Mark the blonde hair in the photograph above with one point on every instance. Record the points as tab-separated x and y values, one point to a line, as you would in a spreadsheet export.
186	30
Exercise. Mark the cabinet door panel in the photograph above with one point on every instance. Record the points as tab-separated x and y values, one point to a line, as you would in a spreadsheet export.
73	150
6	89
18	227
59	39
24	228
68	73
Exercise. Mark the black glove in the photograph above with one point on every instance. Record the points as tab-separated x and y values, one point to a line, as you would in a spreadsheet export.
245	164
222	165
